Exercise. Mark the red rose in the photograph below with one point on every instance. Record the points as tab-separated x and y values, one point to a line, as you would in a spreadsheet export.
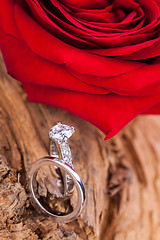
99	59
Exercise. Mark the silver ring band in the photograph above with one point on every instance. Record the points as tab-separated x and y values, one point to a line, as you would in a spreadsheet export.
77	181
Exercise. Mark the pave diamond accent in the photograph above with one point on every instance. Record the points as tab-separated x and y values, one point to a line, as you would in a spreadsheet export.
66	153
61	132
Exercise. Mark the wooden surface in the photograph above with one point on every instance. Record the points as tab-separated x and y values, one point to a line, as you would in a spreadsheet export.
121	176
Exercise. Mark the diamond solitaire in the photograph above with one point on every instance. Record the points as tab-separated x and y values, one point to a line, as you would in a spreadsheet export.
61	132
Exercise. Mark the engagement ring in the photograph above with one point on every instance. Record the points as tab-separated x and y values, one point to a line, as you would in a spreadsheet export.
65	189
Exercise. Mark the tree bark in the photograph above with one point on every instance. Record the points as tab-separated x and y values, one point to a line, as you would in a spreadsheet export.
121	176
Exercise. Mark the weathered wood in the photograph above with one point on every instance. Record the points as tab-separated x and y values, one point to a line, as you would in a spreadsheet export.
121	175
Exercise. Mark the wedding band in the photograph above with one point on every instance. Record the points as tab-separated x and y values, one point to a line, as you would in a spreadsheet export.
63	166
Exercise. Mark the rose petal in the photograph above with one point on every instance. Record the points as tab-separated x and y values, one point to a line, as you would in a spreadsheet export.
51	48
87	3
7	20
18	60
109	112
148	49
